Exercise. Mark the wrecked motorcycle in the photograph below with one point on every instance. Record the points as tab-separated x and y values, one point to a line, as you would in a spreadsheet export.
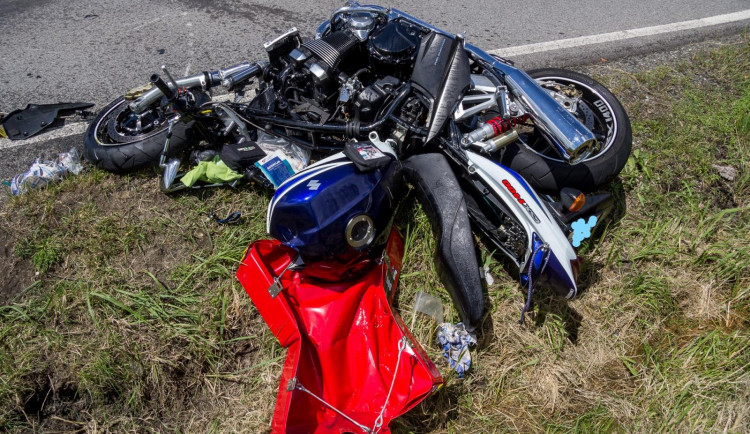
476	135
394	97
365	72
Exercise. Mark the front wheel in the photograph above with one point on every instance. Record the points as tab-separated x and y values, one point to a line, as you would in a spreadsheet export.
600	111
121	141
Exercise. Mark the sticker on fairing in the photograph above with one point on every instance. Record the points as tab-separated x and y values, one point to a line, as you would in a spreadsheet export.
369	152
520	200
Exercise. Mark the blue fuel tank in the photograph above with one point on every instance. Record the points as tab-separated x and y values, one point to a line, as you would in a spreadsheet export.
332	209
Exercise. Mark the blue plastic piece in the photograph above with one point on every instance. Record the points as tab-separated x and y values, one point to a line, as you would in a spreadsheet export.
582	229
554	275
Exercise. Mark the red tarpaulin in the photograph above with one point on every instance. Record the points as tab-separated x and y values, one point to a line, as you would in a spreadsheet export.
345	342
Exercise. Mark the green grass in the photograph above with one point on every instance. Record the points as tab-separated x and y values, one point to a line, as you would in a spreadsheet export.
122	312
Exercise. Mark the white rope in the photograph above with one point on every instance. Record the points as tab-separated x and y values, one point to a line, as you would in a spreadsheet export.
362	427
379	421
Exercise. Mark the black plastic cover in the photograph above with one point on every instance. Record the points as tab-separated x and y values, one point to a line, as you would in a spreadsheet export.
442	199
394	43
433	63
22	124
443	74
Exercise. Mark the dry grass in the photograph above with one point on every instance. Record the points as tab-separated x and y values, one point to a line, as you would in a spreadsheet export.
121	311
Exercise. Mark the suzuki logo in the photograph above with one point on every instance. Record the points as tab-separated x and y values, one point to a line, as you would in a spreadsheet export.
313	185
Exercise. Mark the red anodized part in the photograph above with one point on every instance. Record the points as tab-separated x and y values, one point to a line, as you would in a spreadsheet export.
343	342
500	125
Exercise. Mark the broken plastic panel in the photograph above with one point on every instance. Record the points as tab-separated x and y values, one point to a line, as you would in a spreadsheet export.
352	365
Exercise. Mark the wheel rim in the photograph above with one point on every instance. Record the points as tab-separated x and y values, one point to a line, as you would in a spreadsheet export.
593	110
120	126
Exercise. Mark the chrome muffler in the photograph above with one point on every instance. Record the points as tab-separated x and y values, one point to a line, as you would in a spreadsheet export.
572	140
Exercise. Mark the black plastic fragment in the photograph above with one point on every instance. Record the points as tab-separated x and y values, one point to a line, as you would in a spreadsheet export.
442	199
22	124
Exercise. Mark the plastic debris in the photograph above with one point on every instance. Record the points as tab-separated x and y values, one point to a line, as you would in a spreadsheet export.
41	173
298	157
726	172
429	305
22	124
487	276
582	229
231	218
456	340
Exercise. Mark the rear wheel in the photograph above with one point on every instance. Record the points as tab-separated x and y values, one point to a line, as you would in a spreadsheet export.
119	140
600	111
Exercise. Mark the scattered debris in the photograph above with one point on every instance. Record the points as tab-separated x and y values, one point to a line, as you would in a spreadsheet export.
231	218
487	276
41	173
212	172
429	305
726	172
22	124
582	229
455	340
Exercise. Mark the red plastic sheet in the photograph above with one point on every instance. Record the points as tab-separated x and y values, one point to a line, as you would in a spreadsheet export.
342	338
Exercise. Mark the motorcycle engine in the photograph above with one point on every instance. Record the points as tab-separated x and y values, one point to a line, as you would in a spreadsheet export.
347	75
319	59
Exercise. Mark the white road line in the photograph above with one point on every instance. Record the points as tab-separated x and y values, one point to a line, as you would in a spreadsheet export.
80	127
66	131
621	35
155	20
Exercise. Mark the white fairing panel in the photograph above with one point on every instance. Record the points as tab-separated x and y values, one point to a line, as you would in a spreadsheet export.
528	208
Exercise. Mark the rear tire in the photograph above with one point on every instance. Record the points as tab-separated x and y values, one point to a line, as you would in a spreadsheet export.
116	150
549	174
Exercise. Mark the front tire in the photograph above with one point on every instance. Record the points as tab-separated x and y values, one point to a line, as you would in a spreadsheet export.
601	112
114	145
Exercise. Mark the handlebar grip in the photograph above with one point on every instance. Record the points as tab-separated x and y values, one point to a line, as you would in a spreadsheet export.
163	87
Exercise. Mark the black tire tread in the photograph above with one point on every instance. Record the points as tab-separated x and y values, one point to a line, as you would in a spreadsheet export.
129	157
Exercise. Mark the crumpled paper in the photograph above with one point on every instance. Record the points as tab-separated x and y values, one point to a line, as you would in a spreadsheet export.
41	173
455	340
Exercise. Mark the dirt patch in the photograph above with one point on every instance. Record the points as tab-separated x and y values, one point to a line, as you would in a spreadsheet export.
16	274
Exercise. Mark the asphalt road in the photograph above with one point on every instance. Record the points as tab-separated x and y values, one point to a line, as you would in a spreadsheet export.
75	50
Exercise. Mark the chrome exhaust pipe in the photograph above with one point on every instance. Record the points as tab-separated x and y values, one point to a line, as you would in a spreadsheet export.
573	141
